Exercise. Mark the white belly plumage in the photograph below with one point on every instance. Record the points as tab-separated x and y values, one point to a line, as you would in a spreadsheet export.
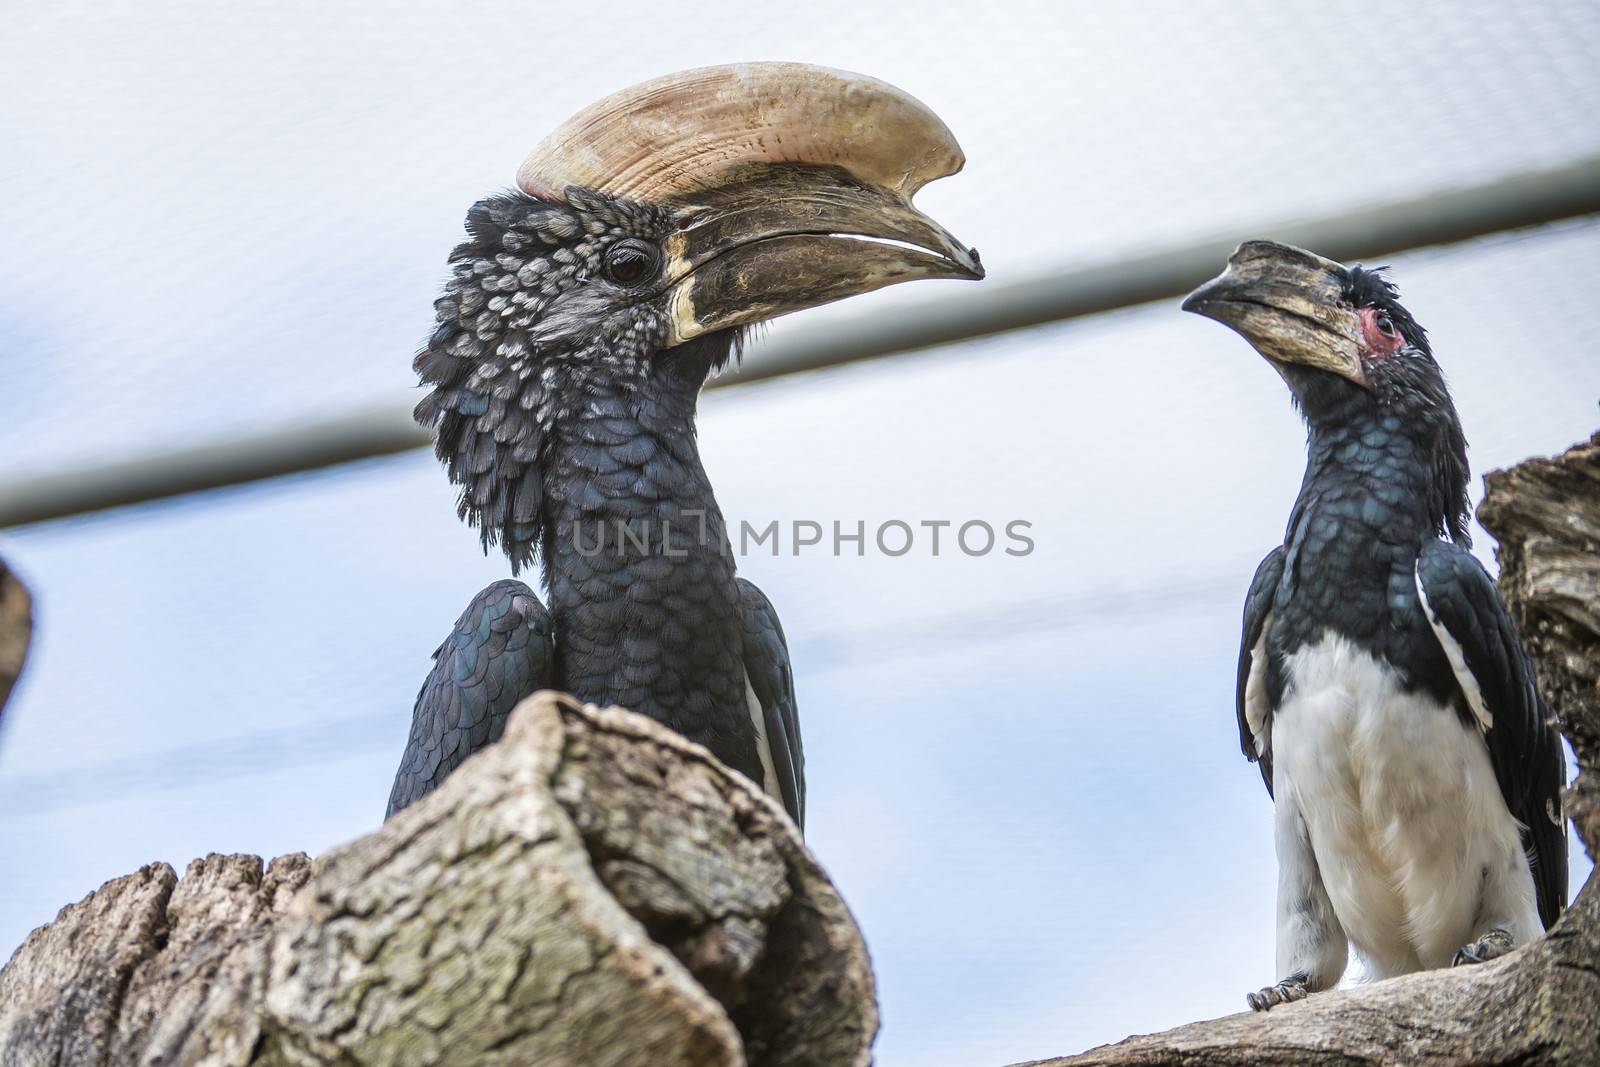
1407	826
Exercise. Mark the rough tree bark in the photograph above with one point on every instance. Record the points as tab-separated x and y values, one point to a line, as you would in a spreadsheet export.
592	891
1541	1003
16	629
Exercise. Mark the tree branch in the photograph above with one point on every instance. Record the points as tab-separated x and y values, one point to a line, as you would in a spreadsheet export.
593	890
1538	1004
16	629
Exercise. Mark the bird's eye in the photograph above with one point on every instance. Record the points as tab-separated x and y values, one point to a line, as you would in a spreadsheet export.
1385	324
632	262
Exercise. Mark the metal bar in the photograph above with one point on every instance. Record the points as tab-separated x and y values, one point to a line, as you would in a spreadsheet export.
1441	218
304	446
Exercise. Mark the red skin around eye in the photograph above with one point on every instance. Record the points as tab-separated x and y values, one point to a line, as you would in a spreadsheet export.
1378	344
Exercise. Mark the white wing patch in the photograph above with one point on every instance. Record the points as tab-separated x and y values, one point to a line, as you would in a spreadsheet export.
758	716
1458	662
1256	710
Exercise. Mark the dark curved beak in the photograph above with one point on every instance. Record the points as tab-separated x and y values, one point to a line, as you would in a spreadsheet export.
779	238
1289	304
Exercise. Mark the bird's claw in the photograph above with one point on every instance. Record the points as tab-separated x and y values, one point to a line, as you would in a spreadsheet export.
1491	945
1291	988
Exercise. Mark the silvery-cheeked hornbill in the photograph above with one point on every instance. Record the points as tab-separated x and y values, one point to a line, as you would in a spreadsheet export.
1415	771
582	317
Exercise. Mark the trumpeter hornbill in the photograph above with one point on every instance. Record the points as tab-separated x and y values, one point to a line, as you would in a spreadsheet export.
1415	772
582	317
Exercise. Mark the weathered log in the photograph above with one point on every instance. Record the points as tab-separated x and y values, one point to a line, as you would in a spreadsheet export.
1541	1003
16	630
593	890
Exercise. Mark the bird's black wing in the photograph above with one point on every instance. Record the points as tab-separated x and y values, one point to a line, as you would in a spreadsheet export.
1497	684
500	651
1253	704
766	663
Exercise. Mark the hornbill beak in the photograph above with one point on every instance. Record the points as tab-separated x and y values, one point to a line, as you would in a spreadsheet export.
790	184
1289	304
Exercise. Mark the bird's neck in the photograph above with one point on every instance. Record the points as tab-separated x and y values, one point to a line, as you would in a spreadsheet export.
1352	543
637	558
629	455
1353	539
1371	477
1371	499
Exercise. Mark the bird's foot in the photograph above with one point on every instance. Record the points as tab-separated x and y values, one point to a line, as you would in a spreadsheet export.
1291	988
1491	945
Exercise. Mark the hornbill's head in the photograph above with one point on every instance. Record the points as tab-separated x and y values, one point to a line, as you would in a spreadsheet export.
1351	354
648	231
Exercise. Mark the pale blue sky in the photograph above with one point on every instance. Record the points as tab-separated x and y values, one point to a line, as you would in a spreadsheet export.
1024	772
